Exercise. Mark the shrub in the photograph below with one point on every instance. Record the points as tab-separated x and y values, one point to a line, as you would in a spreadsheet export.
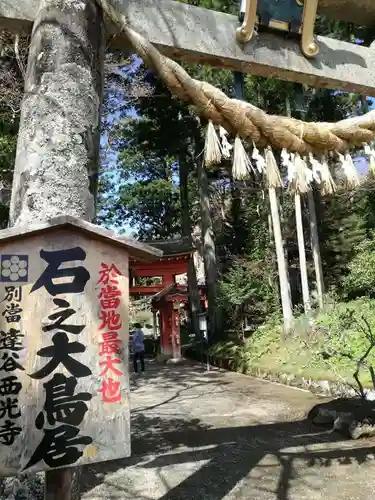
360	279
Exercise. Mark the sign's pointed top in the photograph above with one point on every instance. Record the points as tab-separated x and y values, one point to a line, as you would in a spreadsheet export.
134	248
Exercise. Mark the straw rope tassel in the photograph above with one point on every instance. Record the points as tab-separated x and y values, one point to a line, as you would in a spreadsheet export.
303	175
212	148
328	184
242	166
272	171
350	171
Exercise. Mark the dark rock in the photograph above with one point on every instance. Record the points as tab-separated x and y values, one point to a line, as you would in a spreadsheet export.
353	417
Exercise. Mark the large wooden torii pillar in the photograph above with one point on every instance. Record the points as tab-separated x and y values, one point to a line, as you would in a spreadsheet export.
58	147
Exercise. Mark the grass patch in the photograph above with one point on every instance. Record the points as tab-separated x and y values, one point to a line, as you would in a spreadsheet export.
341	328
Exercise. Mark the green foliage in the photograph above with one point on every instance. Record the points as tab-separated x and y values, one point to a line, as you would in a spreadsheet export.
141	201
326	350
247	288
342	227
360	279
243	357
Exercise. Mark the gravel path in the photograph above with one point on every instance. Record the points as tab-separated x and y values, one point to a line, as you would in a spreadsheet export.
224	436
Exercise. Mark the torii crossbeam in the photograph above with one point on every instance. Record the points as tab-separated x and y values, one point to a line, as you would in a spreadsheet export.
186	32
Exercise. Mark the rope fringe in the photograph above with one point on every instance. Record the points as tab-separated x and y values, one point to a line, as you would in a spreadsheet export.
328	184
212	148
272	171
303	175
242	166
351	174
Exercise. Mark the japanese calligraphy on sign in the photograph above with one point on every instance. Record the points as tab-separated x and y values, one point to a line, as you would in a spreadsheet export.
64	391
110	325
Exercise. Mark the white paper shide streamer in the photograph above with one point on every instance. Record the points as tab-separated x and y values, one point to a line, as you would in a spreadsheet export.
370	152
287	161
272	170
226	146
260	162
316	167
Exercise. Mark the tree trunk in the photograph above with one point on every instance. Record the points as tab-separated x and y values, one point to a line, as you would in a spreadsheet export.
58	143
286	302
194	297
315	247
209	251
302	254
57	157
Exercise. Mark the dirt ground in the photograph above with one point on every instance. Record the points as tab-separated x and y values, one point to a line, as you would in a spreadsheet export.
224	436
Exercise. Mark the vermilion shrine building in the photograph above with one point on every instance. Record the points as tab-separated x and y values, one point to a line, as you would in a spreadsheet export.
168	294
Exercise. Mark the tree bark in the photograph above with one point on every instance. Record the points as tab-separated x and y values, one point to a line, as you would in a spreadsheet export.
315	247
302	254
209	251
286	302
57	157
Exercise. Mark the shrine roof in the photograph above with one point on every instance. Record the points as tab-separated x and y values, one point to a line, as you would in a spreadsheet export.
171	248
173	289
134	248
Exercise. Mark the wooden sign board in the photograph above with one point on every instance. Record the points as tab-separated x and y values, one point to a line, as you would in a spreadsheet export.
64	389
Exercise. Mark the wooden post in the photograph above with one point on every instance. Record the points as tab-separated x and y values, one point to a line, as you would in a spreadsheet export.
300	238
58	141
315	247
154	324
286	302
62	484
302	254
176	339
